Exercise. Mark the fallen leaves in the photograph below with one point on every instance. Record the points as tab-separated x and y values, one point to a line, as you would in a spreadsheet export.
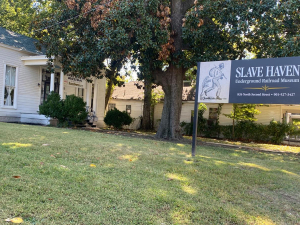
17	177
15	220
92	165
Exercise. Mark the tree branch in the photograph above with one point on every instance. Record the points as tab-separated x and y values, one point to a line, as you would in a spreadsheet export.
186	5
158	76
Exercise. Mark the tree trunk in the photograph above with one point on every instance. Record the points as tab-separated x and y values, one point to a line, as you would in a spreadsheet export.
172	79
172	84
146	124
109	91
233	136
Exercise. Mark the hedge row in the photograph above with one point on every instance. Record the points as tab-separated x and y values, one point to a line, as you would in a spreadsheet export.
275	132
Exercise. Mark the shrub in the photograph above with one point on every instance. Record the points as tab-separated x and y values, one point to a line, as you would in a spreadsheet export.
275	132
74	109
226	131
53	107
117	119
186	128
278	131
250	131
69	111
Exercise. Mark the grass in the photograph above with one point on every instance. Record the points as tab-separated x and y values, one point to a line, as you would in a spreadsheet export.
252	145
139	181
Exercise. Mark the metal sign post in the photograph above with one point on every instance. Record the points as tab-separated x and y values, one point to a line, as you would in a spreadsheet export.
195	123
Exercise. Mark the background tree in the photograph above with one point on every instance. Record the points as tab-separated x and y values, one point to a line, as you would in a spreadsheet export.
168	37
17	15
242	112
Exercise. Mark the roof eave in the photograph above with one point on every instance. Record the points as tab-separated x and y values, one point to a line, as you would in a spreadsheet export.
17	49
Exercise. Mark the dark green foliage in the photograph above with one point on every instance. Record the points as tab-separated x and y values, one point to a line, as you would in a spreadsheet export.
244	130
74	109
247	131
117	119
166	37
278	131
53	107
69	111
214	130
187	128
274	133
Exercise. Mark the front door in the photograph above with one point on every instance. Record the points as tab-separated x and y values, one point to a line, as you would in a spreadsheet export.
45	86
46	91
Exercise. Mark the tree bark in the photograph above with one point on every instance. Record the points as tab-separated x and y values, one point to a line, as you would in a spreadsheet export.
109	91
172	84
172	79
146	124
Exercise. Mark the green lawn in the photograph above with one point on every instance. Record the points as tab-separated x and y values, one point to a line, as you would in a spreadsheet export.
139	181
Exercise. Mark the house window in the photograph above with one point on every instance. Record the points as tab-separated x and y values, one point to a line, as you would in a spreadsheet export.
212	116
187	83
10	86
80	92
111	106
128	109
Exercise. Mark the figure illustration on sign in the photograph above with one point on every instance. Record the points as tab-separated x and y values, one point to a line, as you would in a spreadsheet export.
211	82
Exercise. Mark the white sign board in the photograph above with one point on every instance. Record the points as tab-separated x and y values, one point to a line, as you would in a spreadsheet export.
214	82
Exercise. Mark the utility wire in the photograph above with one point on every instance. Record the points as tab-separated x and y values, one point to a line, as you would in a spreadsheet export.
65	20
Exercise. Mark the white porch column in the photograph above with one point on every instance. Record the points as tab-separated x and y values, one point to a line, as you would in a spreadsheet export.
95	95
52	82
88	94
61	85
287	117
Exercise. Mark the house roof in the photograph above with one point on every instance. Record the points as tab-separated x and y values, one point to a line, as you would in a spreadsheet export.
134	90
19	41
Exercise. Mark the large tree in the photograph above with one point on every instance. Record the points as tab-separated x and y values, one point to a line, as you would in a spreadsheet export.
17	15
167	37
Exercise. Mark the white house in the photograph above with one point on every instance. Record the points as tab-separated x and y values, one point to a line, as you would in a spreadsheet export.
131	95
129	98
25	82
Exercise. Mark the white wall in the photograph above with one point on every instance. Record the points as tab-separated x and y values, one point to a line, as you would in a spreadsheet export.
29	93
136	106
267	112
28	77
136	110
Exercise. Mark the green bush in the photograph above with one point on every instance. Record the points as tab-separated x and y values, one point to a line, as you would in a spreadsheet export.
226	131
278	131
117	119
250	131
74	109
53	107
69	111
275	132
186	128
